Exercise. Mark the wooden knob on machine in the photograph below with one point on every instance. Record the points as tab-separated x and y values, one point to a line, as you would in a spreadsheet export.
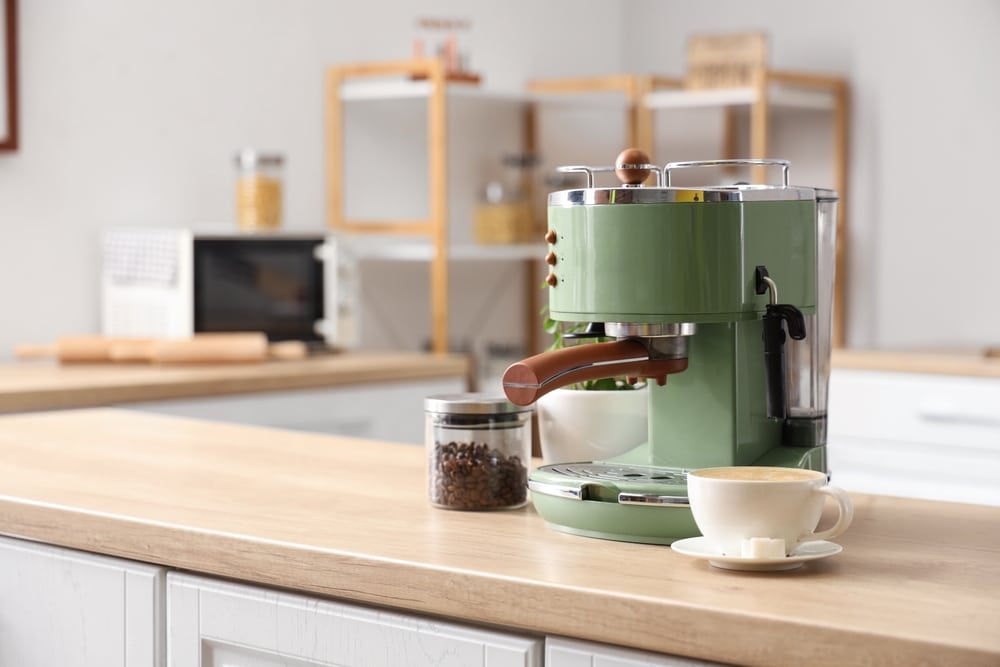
632	166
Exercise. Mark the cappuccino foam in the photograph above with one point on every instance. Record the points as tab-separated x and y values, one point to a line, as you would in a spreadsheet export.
758	473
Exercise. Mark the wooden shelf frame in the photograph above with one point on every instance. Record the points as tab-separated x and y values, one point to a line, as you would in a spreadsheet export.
435	226
634	88
643	95
420	79
760	112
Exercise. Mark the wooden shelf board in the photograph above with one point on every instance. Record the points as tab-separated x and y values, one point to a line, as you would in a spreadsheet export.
595	100
422	251
374	90
780	96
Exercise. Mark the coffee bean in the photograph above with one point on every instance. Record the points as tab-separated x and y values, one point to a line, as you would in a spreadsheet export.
471	476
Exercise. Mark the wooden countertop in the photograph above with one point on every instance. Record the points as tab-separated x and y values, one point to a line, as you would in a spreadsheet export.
916	583
973	363
44	385
47	385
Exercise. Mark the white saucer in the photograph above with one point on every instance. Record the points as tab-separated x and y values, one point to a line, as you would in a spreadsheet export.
697	547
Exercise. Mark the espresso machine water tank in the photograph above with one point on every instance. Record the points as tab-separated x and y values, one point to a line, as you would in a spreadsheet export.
808	360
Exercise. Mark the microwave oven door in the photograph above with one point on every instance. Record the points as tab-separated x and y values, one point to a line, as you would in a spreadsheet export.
274	285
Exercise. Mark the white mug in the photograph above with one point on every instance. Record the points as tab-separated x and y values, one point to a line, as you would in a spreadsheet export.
759	511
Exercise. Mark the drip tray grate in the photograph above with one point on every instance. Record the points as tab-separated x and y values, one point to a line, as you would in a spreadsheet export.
619	473
607	482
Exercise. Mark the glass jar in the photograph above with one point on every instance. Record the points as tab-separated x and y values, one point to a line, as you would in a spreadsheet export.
504	214
258	190
478	451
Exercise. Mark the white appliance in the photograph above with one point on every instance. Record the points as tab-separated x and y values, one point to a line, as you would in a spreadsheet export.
175	282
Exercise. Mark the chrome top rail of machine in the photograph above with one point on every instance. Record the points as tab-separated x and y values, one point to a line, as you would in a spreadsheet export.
686	280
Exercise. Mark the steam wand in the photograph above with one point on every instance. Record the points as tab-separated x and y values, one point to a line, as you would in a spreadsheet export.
774	342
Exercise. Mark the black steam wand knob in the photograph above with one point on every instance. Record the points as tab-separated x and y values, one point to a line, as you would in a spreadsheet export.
774	343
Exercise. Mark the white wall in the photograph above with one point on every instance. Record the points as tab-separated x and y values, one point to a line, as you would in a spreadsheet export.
131	111
923	228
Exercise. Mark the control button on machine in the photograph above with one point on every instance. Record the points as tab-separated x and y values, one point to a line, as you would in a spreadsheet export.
551	259
552	280
550	236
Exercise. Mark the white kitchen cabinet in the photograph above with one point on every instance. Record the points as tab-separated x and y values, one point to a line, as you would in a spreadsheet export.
391	411
60	607
212	623
915	435
562	652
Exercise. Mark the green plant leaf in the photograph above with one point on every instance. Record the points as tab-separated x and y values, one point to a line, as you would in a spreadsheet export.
604	384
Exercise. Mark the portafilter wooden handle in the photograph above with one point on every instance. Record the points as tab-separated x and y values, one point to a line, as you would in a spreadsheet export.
526	381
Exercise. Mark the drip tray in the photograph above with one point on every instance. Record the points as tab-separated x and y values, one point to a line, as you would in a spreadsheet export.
611	482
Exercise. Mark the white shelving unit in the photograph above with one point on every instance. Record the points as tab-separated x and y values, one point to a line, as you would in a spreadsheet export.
384	90
640	96
421	251
423	239
779	96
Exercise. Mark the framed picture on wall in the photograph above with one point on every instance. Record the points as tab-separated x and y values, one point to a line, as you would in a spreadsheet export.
8	75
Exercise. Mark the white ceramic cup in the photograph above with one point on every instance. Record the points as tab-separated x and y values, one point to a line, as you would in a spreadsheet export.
746	510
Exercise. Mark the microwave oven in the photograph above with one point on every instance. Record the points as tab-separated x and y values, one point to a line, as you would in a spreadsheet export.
172	283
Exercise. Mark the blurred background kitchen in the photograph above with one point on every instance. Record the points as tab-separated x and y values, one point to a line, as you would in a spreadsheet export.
131	112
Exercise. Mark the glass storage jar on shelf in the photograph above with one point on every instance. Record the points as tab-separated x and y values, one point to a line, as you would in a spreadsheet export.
258	190
505	212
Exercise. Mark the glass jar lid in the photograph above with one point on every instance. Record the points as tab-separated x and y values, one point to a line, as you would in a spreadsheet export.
249	158
473	404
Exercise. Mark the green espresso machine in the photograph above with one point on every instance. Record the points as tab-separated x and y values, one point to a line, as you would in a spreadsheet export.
721	298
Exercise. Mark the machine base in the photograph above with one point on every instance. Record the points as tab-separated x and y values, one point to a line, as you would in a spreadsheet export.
614	521
583	499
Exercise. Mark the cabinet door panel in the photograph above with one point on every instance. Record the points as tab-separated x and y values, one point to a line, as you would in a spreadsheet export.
562	652
62	607
246	625
920	436
214	654
937	410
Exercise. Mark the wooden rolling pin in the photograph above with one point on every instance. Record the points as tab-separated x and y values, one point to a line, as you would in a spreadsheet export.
200	348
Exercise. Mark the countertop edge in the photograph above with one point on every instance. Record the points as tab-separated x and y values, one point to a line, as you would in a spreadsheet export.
926	362
69	386
461	595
